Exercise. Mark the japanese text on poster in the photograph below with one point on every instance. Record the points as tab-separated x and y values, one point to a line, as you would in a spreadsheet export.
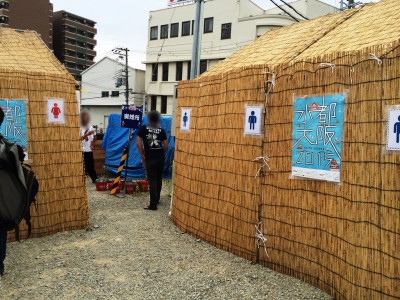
14	126
131	117
317	137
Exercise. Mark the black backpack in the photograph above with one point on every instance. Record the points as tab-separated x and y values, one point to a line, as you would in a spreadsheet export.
14	200
32	186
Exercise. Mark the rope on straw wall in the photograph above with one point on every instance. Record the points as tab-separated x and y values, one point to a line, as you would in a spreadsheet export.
373	56
270	82
261	239
325	64
264	160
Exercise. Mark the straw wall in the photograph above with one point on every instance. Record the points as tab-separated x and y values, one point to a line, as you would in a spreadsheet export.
342	238
54	150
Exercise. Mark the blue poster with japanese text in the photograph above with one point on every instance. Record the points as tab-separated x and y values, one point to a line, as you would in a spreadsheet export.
14	126
131	117
317	137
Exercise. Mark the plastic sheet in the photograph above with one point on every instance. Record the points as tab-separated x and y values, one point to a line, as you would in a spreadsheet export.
115	140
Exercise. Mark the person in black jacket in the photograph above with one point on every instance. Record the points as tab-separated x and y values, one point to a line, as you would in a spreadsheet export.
152	143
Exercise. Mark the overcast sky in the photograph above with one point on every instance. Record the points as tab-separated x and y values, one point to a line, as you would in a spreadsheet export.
124	22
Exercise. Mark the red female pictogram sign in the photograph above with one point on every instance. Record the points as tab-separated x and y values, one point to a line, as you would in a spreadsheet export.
55	111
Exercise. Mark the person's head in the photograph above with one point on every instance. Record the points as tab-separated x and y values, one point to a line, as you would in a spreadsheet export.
85	118
154	117
1	116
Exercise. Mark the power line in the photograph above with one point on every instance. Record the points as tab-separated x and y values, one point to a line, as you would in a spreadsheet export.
287	4
281	8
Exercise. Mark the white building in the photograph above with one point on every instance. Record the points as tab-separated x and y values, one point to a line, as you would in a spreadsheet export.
226	26
101	96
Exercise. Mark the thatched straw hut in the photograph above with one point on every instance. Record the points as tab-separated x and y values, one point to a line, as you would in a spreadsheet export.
30	72
342	238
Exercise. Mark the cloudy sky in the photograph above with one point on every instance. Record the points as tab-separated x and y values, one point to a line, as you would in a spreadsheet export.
124	22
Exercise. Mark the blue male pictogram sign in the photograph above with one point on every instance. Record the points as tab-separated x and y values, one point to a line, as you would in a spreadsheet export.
185	119
393	129
252	120
397	130
186	114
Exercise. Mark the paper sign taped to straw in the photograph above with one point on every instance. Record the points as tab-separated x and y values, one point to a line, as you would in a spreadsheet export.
55	111
253	120
393	133
186	116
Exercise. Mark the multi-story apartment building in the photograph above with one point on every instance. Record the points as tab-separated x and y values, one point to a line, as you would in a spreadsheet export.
226	26
74	41
103	89
23	15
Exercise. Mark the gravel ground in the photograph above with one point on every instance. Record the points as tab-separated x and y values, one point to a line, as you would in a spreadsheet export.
136	254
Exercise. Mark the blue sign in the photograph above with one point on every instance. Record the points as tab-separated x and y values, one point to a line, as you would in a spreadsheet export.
317	137
131	117
14	126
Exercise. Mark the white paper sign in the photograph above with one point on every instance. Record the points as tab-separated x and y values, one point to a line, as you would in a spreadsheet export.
253	120
186	115
55	111
393	134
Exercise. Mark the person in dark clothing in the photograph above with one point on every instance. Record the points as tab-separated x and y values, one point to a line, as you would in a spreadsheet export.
152	144
88	136
3	231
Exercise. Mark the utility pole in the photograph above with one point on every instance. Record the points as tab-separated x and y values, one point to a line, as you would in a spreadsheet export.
124	52
194	71
349	5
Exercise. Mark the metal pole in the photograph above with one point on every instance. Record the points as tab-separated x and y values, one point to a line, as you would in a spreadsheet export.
127	76
196	41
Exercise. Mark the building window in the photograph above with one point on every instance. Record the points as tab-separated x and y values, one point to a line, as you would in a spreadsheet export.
154	33
208	25
164	32
154	73
4	5
115	94
179	71
174	30
186	28
3	20
203	66
105	94
192	27
164	101
189	64
165	71
153	104
226	31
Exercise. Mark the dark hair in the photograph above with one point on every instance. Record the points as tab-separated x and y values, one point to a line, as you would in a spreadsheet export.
1	116
154	116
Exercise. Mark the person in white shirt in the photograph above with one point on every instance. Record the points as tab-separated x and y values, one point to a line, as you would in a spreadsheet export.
88	137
